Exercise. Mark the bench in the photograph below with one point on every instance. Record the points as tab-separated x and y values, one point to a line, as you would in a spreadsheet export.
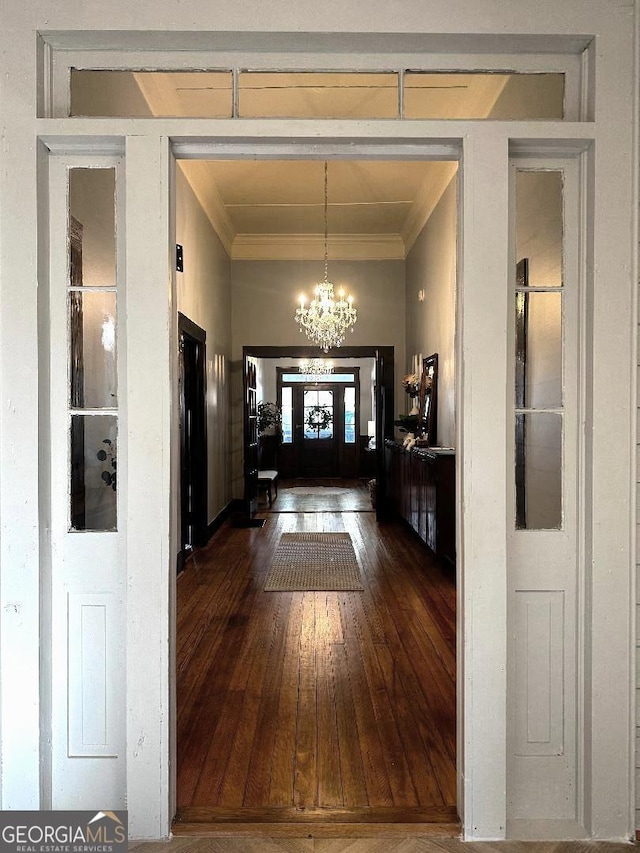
268	479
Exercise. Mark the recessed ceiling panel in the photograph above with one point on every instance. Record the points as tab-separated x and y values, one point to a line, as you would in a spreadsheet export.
287	196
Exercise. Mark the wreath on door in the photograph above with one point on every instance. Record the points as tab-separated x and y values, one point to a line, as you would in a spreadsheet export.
319	418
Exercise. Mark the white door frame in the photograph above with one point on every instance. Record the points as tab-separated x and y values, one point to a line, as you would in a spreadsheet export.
483	406
482	467
482	474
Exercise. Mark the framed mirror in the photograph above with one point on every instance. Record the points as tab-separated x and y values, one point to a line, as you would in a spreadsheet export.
428	412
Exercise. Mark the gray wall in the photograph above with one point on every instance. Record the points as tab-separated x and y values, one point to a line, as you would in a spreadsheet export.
266	294
204	296
431	266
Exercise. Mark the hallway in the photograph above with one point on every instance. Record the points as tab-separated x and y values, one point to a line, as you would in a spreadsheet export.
317	707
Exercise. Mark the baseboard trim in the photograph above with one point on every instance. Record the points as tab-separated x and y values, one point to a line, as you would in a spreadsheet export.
210	529
221	517
181	560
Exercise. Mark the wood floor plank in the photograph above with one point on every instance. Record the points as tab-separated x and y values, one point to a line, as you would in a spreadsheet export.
351	762
251	678
192	677
281	780
258	781
305	784
415	749
206	707
399	775
437	814
421	669
329	788
321	707
346	831
373	757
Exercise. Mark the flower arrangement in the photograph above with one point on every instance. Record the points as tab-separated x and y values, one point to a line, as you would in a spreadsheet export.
411	384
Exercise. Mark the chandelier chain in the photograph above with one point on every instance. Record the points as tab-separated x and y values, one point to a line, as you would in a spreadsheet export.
326	222
327	319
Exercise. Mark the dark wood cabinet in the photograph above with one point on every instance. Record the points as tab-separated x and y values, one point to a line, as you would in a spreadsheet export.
422	490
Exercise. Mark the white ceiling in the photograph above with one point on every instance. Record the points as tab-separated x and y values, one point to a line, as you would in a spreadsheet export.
275	208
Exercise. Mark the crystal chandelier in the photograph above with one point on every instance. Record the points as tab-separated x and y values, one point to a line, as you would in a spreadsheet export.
315	366
327	319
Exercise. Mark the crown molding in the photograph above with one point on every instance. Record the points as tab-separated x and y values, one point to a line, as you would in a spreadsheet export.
426	202
295	247
205	190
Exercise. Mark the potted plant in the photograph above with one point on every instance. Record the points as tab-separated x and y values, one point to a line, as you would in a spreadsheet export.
270	435
269	419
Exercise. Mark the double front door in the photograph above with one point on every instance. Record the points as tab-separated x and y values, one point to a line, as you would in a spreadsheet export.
320	429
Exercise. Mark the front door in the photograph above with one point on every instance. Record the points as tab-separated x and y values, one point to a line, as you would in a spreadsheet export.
320	425
315	414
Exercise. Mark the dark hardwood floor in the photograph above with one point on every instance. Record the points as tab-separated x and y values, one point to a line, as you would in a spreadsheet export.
321	707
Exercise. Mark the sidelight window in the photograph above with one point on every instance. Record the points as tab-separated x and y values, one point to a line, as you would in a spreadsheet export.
539	374
92	349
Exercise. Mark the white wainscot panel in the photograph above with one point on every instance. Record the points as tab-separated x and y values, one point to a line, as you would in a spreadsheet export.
539	675
91	689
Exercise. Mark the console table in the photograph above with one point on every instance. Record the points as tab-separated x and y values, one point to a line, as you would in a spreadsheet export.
422	491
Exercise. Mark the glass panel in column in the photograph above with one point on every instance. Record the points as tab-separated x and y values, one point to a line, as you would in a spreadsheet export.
93	357
539	226
94	462
539	471
92	227
539	342
538	350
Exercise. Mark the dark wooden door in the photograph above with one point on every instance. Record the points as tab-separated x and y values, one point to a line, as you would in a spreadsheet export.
250	434
331	448
318	445
193	436
384	425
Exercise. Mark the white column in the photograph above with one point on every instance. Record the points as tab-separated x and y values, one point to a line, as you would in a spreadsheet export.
482	383
19	431
611	604
150	551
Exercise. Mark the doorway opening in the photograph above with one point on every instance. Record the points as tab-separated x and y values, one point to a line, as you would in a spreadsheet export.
323	414
193	437
302	706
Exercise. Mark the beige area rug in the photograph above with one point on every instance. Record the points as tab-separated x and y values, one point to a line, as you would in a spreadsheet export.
309	562
317	490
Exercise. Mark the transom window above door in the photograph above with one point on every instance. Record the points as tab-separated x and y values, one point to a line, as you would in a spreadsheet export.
398	94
